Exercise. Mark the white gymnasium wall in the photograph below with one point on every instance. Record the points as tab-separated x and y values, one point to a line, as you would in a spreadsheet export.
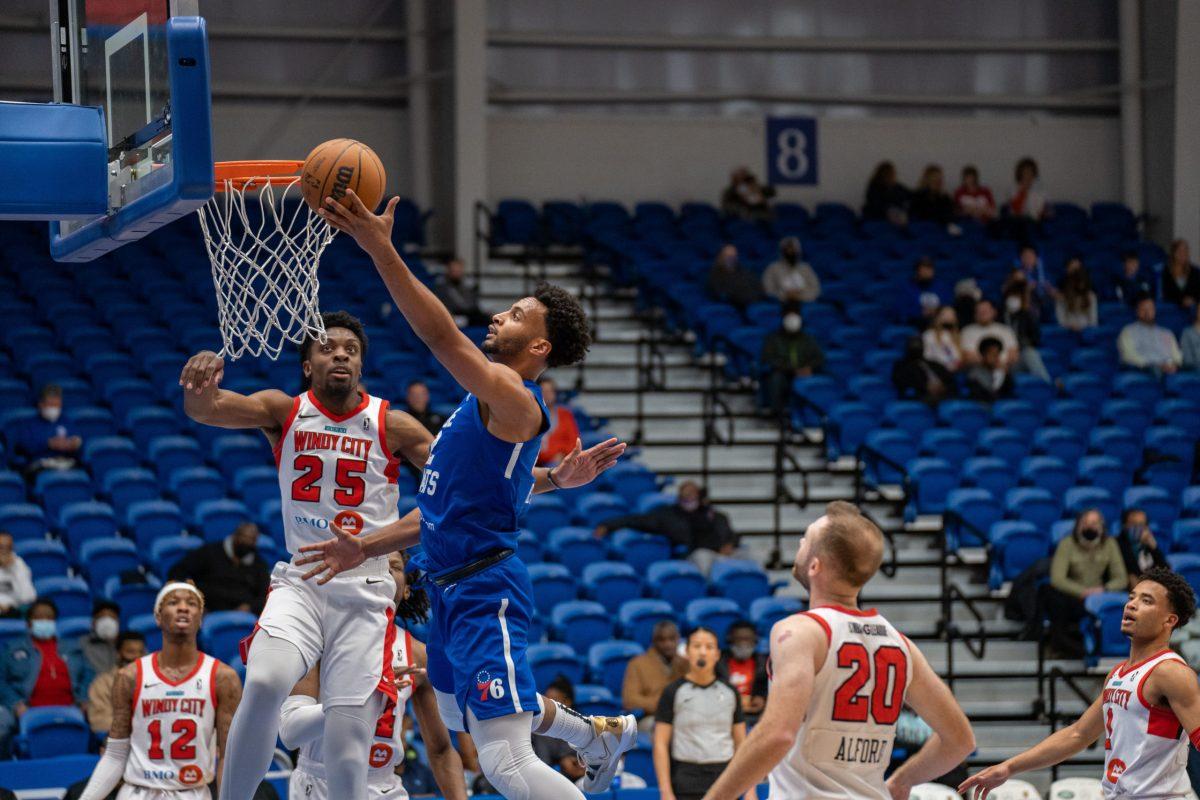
636	157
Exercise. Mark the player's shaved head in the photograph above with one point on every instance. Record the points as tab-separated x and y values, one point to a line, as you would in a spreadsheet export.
848	545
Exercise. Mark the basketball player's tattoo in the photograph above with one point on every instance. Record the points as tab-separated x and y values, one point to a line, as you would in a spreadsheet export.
229	694
122	702
783	637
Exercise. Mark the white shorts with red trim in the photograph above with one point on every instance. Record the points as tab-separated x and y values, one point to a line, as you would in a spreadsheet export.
129	791
341	624
303	785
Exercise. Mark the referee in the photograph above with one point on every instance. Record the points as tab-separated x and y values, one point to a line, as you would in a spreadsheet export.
698	725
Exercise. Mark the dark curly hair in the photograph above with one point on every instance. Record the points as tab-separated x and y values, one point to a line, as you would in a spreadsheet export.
1179	592
413	609
567	325
332	319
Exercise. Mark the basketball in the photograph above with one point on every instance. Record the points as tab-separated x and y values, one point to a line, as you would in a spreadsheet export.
340	164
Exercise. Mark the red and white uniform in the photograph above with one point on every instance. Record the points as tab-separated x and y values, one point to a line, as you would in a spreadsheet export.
335	468
1145	747
845	742
173	744
307	781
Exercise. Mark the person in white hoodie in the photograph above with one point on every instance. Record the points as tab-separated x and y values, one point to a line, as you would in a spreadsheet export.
16	582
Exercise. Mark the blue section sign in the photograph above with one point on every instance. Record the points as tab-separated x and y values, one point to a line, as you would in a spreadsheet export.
792	150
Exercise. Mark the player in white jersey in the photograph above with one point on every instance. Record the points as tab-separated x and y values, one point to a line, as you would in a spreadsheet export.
1148	711
171	712
302	721
839	677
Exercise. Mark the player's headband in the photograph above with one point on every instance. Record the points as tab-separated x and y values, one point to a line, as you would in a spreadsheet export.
175	586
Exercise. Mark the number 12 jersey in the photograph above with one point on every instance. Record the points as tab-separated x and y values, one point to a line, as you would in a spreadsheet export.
173	744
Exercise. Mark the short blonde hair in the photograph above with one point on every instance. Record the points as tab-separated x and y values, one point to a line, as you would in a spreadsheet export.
850	544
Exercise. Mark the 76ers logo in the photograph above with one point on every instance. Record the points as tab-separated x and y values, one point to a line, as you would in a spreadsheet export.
1116	768
487	686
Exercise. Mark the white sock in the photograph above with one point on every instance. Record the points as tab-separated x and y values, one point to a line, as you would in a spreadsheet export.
572	727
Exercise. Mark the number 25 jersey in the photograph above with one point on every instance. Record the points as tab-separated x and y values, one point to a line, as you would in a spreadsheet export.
845	742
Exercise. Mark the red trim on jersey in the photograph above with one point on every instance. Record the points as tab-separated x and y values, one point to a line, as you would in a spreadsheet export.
247	640
408	648
366	399
1125	668
854	612
822	622
1194	736
137	683
392	470
1142	698
287	424
185	678
387	678
212	683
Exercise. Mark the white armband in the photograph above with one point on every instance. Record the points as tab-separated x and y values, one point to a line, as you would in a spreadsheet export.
108	770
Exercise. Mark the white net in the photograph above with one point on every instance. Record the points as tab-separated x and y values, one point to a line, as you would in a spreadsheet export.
264	243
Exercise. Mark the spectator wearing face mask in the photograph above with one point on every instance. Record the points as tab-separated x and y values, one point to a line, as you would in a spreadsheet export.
1085	563
745	668
1148	346
746	198
131	646
790	279
98	647
1076	307
230	573
16	581
729	282
942	340
1139	548
919	299
918	378
47	442
989	380
35	672
1020	316
789	353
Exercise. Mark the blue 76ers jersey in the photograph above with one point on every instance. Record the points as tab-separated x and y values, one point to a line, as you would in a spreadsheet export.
474	486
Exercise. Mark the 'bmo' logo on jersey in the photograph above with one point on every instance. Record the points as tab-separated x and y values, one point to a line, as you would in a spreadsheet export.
381	755
1116	768
191	775
158	774
487	686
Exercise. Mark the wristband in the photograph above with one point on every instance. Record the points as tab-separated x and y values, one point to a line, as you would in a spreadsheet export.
550	477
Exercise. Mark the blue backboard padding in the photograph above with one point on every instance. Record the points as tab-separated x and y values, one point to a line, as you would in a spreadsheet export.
53	159
191	147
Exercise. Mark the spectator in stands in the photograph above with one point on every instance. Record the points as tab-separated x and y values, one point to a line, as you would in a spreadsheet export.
34	672
789	353
887	199
98	646
1076	307
731	283
966	294
648	674
131	646
790	279
416	402
563	434
1133	282
745	668
942	341
930	202
917	378
1085	563
698	726
1180	278
1147	346
1032	271
1189	342
746	198
1022	318
989	380
1027	201
986	325
690	521
556	752
973	200
231	573
16	581
46	442
920	298
459	297
1139	548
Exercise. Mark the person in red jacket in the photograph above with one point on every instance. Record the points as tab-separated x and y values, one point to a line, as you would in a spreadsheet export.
564	431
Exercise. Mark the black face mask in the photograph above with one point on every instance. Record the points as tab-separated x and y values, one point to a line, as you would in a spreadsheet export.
242	550
1090	534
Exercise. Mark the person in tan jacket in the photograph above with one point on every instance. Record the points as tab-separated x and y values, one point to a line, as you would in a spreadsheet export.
648	674
131	646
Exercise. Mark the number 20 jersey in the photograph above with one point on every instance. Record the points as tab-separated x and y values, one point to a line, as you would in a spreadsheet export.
845	742
335	468
173	743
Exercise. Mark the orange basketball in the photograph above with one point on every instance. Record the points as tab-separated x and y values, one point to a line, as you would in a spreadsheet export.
340	164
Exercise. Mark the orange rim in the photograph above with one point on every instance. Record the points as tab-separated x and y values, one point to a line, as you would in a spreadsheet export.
248	174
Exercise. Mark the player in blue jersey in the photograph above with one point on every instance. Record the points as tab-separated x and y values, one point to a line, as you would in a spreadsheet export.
478	477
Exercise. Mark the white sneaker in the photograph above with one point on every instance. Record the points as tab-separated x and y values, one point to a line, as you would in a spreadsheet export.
615	736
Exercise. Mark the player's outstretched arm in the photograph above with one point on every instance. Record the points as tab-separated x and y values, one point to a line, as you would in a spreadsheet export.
207	403
346	551
499	387
1056	747
301	717
579	468
952	740
798	646
111	766
443	758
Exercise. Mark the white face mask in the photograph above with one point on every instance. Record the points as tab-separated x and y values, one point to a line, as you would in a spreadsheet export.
106	628
1013	304
51	413
792	323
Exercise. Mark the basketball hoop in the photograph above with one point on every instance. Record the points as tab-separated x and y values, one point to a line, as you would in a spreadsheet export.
265	244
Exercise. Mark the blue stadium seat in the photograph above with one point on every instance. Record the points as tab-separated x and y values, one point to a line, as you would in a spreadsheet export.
147	423
740	580
717	613
638	617
909	415
1138	386
649	502
236	452
59	488
1187	565
953	446
579	623
598	506
552	584
1034	505
256	485
545	513
1183	384
611	583
638	548
105	367
125	394
147	625
152	519
630	481
124	487
14	393
1033	389
50	367
104	558
81	522
1078	499
23	520
70	629
516	222
1181	412
135	598
529	547
1008	445
50	731
849	423
766	611
1019	415
1160	507
1073	414
192	486
108	453
1061	530
872	390
549	661
888	451
171	453
1172	476
12	488
1105	472
1116	442
1185	536
597	700
1102	626
607	662
1125	413
1190	501
1062	443
932	478
69	594
221	631
820	391
970	514
1015	546
166	551
90	422
1090	389
575	548
44	557
986	472
216	519
1171	442
1047	472
967	416
11	630
675	581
